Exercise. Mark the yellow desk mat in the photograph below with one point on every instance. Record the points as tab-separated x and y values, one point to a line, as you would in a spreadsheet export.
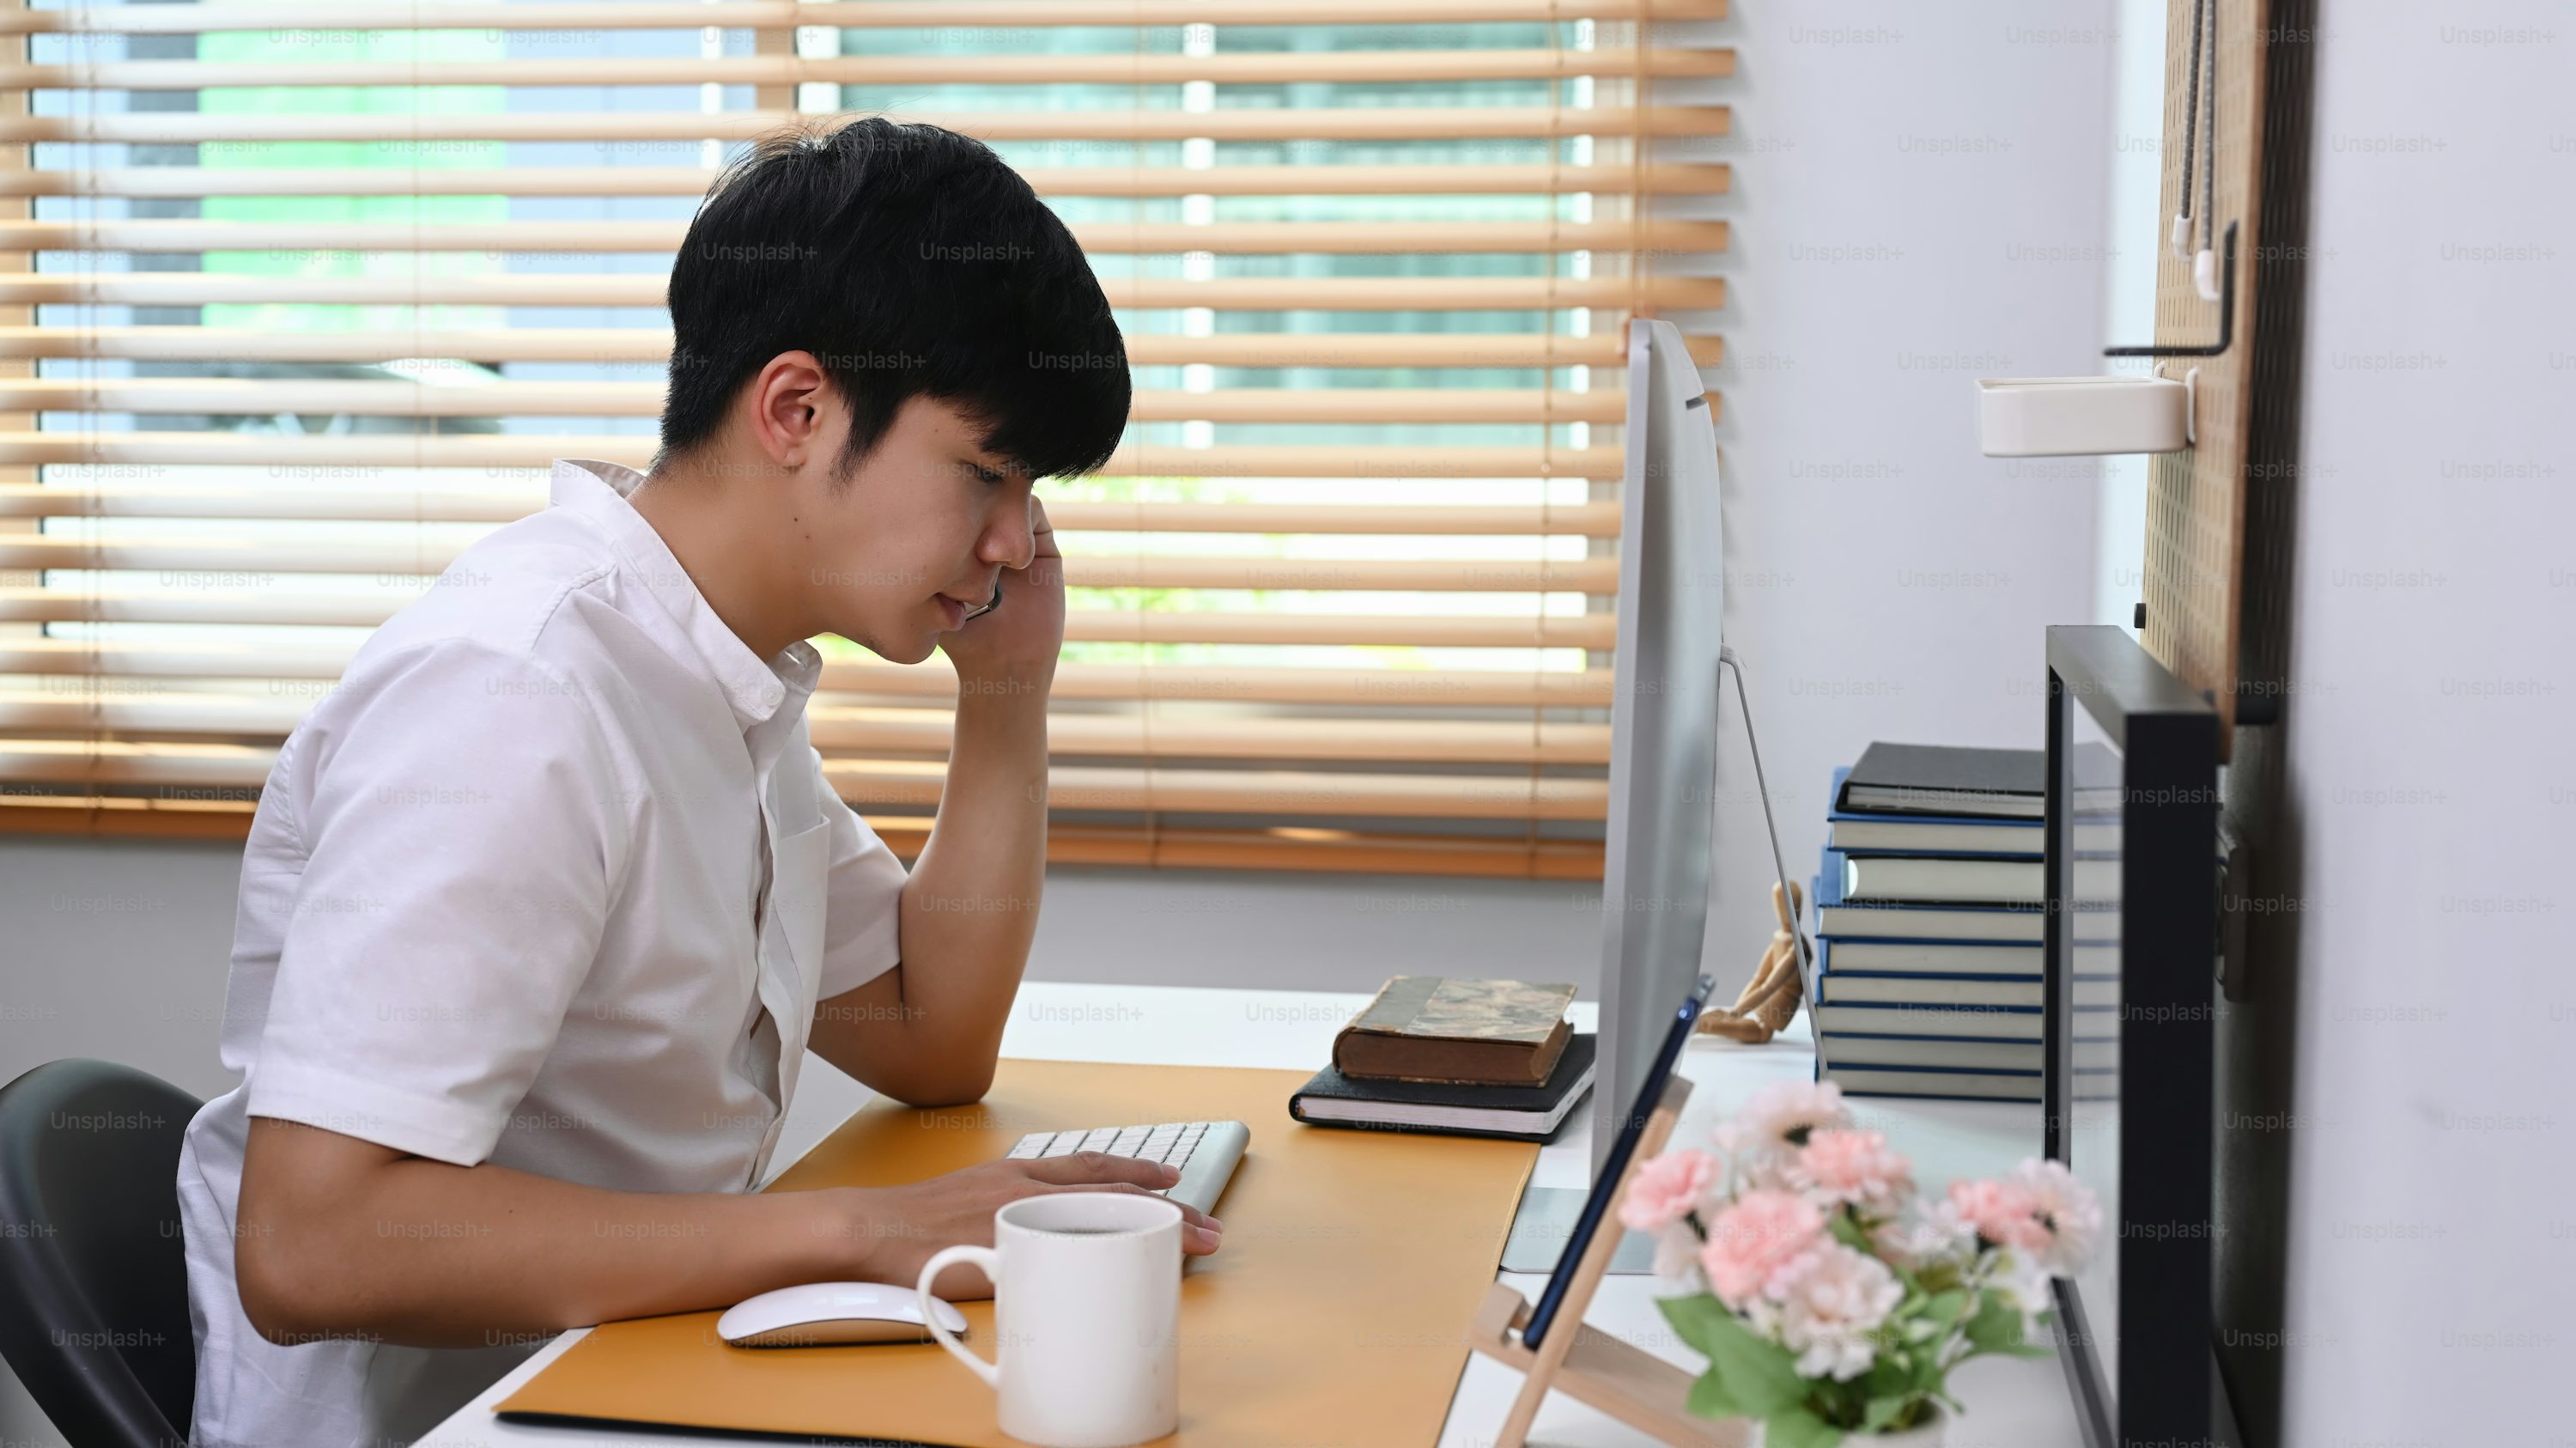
1335	1312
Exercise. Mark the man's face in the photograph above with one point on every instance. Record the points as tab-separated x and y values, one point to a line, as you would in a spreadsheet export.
915	536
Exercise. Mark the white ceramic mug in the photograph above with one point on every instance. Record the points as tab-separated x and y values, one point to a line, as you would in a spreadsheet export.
1086	1316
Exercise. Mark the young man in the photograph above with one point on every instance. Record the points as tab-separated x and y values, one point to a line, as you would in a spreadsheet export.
545	903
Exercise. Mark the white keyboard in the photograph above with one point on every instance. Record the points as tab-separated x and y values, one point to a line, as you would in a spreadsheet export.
1205	1151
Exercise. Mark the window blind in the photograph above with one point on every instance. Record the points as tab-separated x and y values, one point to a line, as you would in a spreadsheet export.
296	300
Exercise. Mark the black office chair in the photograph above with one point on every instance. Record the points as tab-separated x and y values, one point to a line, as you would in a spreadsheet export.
93	1273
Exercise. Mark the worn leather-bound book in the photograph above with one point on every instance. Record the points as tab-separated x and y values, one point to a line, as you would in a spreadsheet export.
1471	1032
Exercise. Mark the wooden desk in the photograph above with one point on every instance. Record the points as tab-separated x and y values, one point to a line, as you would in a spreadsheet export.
2012	1403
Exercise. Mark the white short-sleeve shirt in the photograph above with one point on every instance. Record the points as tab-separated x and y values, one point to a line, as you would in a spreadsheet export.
552	879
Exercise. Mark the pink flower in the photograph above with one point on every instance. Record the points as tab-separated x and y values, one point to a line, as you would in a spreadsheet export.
1677	1257
1778	1120
1840	1165
1752	1241
2003	1213
1829	1303
1665	1188
2067	1210
1916	1238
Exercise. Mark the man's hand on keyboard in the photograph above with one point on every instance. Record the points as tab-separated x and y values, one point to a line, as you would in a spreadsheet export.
904	1225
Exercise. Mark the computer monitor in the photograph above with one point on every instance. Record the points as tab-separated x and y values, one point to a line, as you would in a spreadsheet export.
2131	864
1663	764
1663	718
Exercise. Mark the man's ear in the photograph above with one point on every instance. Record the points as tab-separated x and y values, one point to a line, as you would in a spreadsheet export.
791	401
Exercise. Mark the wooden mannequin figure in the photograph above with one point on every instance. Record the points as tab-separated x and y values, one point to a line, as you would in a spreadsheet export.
1770	1000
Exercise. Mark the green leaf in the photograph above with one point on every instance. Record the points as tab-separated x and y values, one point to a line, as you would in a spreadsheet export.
1798	1428
1848	1232
1709	1398
1695	1318
1996	1327
1892	1376
1929	1373
1837	1403
1883	1411
1760	1375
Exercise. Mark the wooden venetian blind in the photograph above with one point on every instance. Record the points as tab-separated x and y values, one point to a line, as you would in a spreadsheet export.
296	300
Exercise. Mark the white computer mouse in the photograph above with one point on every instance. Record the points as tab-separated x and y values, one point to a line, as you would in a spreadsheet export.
821	1314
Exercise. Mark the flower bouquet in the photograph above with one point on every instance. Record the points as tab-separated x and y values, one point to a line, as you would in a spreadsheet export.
1830	1298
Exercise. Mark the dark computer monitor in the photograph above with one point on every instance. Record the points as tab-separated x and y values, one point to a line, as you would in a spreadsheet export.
2132	868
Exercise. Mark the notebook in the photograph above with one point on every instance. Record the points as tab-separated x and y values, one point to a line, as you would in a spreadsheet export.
1517	1113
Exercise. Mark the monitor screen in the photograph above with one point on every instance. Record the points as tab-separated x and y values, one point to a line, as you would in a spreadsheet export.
2086	857
2132	881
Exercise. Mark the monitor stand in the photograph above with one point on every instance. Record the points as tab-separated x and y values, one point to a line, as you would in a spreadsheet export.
1545	1223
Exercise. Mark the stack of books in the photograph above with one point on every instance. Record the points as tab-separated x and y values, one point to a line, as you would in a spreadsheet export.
1928	924
1460	1057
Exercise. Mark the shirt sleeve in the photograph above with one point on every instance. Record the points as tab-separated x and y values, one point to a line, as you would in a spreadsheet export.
464	825
863	919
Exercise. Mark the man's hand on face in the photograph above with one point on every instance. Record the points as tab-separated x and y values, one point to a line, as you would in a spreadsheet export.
1017	643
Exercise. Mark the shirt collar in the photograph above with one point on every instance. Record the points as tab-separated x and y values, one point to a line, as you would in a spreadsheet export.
756	688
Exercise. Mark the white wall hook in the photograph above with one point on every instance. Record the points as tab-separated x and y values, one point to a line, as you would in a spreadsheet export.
2026	417
2190	403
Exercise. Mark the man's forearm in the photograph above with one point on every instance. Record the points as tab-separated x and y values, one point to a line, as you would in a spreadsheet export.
971	908
337	1238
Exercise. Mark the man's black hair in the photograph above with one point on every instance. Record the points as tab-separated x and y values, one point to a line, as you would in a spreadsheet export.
911	261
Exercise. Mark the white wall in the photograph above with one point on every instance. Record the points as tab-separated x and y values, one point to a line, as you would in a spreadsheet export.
2131	248
2433	1153
118	951
1919	201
